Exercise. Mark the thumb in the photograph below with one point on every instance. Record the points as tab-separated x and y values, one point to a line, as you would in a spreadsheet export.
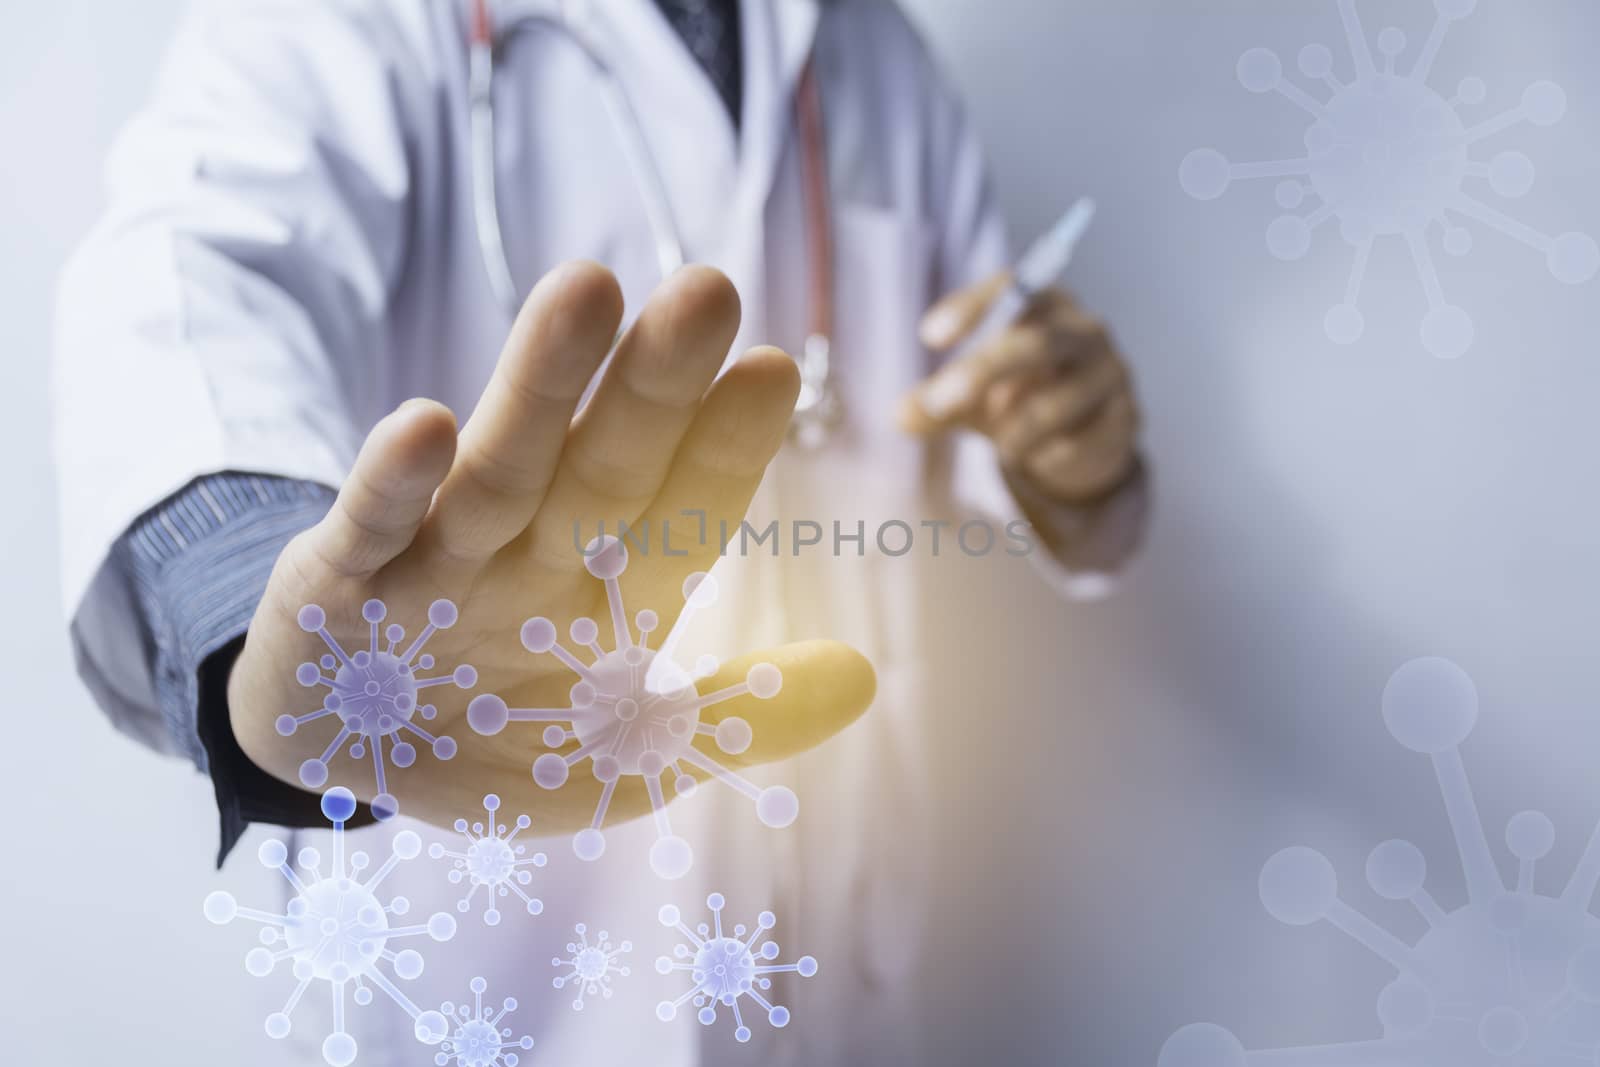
955	316
825	686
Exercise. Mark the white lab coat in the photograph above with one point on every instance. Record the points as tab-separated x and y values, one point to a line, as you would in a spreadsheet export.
290	251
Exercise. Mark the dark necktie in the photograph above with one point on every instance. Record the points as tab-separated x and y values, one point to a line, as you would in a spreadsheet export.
710	29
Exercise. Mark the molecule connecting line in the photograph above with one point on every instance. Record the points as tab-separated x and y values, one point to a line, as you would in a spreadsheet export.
594	967
1511	978
472	1037
493	861
334	930
724	969
374	692
634	711
1387	156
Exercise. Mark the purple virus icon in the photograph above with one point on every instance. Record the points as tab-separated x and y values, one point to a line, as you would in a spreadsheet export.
1509	978
493	861
724	968
472	1036
635	712
375	694
1387	157
334	930
593	967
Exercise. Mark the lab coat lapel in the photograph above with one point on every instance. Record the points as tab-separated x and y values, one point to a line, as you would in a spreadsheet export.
777	38
684	118
663	80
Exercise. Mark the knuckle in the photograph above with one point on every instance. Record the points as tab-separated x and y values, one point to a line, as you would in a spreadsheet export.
1011	441
500	477
1060	407
292	574
531	390
612	480
315	559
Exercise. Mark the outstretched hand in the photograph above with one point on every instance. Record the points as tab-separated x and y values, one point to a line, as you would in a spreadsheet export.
484	518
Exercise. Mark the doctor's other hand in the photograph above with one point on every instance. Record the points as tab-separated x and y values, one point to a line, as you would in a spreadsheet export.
1051	391
486	518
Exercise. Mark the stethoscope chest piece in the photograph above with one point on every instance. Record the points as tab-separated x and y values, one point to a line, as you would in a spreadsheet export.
818	409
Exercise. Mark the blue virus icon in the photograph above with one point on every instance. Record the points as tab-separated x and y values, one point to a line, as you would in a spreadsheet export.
594	967
375	695
724	969
472	1037
1388	156
492	861
636	712
334	930
1511	978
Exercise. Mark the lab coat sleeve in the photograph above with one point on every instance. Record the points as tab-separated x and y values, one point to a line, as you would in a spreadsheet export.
972	246
226	313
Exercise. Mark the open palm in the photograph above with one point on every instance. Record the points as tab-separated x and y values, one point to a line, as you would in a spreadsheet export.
484	522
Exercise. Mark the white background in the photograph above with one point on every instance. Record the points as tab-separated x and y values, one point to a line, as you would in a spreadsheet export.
1324	514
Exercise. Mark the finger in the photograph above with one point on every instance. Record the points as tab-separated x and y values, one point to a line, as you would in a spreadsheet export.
954	317
1053	333
1065	403
716	472
621	447
1082	466
953	394
825	687
1004	397
384	500
510	447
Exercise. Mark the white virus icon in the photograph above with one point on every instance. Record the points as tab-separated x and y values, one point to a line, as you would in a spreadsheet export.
1387	156
472	1037
636	712
492	861
1511	978
724	969
594	967
334	930
374	692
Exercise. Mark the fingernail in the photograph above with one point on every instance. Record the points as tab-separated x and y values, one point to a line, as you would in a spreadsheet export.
947	393
414	403
940	326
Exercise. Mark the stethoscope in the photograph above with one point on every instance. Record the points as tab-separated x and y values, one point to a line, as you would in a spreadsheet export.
818	408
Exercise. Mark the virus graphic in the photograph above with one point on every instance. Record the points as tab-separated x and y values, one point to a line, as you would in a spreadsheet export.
724	968
592	965
491	861
635	712
1387	156
374	693
1511	978
334	929
472	1037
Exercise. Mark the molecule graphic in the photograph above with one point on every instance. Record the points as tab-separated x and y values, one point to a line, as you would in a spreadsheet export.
1387	156
374	693
1509	979
334	929
635	712
472	1037
592	965
723	968
491	861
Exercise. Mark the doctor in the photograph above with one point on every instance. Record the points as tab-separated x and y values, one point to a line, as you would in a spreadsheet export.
331	207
